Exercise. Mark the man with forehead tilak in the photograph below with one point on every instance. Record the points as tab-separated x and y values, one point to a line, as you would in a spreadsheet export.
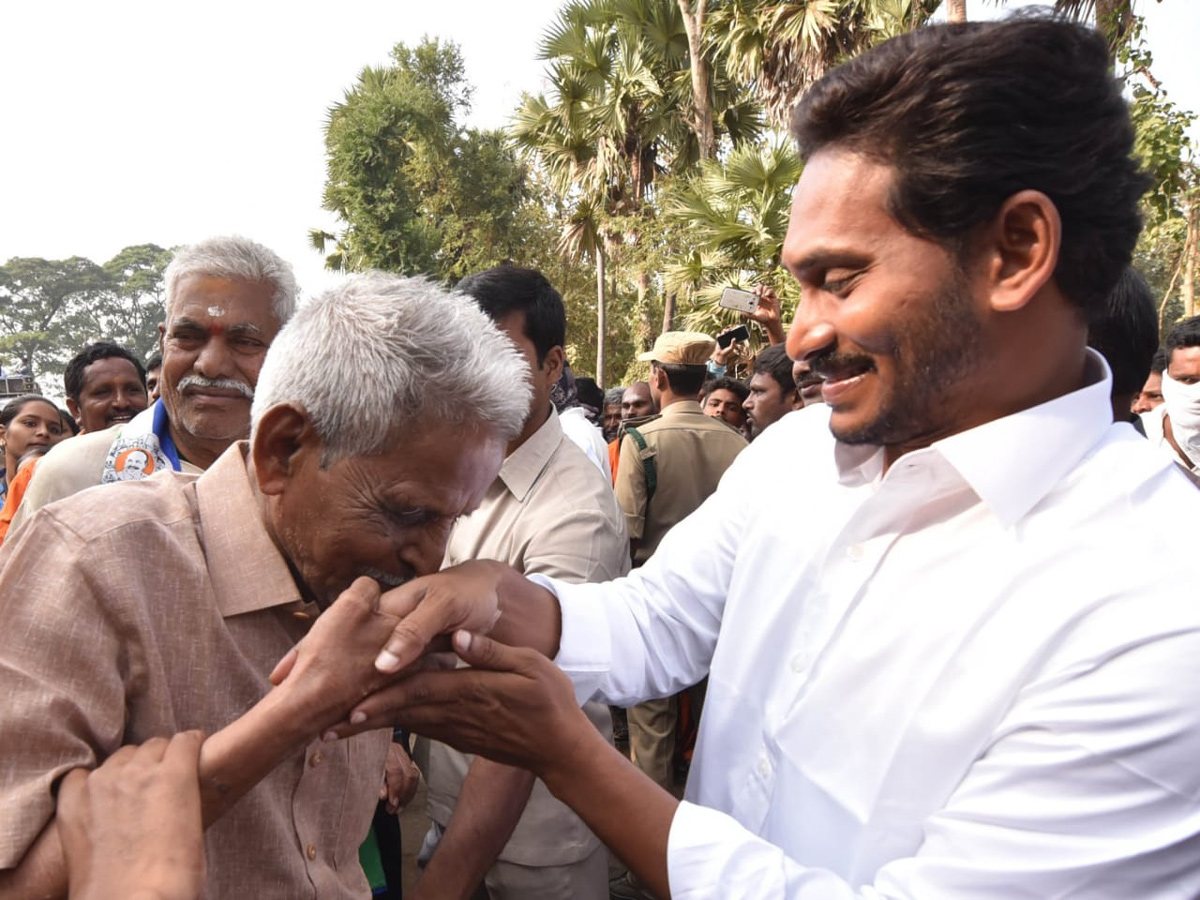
226	298
932	671
167	612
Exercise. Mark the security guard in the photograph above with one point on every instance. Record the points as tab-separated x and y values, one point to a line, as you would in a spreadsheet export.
668	467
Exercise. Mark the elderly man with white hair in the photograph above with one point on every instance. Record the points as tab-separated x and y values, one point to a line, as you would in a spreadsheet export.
161	606
226	299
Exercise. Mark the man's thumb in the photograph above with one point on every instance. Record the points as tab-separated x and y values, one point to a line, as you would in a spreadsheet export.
481	652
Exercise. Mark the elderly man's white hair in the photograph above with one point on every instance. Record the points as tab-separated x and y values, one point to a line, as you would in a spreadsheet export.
381	355
235	258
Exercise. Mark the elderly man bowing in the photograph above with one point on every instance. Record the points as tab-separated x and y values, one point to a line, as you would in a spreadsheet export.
382	414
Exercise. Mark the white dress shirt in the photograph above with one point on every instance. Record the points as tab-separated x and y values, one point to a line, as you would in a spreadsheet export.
974	676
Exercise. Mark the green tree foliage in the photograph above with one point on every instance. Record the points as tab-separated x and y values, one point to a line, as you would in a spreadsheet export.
620	115
50	308
735	213
417	192
39	317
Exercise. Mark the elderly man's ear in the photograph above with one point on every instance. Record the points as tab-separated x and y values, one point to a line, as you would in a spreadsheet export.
284	442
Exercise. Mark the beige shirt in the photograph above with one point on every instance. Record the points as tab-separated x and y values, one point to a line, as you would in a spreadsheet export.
550	511
691	452
148	608
70	467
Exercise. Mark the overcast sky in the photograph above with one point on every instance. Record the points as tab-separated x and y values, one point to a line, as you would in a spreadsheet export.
156	122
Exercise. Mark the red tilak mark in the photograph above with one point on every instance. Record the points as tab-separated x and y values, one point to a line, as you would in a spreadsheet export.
216	329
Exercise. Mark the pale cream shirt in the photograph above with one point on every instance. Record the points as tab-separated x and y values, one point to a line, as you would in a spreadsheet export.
146	608
70	467
550	511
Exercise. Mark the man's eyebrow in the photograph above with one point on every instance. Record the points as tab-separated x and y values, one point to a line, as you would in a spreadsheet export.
185	322
828	258
244	328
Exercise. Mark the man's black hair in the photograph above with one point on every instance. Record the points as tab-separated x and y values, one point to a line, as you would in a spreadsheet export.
967	115
724	383
154	362
685	381
775	362
1159	362
1183	334
1127	332
589	392
504	290
73	376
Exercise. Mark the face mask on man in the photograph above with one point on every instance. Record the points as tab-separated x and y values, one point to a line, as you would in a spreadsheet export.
1183	408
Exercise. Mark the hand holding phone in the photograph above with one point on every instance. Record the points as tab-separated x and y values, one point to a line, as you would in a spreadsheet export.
741	301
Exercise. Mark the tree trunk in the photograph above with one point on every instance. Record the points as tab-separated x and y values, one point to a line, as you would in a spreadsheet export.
1113	18
601	323
1191	250
702	114
956	10
669	311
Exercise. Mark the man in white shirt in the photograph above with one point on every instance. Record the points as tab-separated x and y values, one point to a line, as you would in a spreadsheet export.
932	671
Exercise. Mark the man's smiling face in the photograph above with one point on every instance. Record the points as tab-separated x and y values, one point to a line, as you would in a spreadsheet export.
886	318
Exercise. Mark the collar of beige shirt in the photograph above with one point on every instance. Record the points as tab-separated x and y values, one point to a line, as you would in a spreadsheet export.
522	467
248	571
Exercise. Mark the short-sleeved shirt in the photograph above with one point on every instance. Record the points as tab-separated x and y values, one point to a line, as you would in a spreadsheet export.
551	512
139	610
691	452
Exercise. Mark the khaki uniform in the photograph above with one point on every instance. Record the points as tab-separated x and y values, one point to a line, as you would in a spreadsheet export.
691	451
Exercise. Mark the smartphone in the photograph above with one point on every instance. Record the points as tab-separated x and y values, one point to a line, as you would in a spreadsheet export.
741	333
742	301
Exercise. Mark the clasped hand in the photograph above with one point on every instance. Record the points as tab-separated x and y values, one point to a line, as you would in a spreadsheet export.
377	660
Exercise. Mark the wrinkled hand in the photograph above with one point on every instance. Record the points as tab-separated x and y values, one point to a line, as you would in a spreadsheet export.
512	705
132	827
431	608
401	777
333	666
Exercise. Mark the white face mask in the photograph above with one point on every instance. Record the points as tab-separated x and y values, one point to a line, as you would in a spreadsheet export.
1183	408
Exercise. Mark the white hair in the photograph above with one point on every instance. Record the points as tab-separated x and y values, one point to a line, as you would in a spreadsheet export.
235	258
383	354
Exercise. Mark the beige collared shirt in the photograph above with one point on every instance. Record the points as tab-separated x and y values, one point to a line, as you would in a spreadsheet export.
147	608
551	512
691	452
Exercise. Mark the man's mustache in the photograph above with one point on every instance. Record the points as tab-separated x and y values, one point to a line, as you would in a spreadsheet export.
226	384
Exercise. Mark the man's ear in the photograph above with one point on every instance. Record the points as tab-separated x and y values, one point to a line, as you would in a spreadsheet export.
553	364
1020	249
797	400
73	409
162	333
284	441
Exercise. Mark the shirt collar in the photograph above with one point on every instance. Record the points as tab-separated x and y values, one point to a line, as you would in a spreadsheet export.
522	467
1012	463
681	408
248	572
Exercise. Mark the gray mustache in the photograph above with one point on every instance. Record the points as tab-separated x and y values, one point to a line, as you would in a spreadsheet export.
225	384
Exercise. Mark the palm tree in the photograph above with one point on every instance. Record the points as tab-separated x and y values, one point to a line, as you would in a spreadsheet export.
783	48
735	215
621	114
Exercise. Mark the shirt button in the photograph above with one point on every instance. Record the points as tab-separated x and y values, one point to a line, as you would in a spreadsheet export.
798	663
764	767
311	852
854	552
315	759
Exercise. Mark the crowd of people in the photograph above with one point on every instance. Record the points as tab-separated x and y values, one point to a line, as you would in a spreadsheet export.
896	613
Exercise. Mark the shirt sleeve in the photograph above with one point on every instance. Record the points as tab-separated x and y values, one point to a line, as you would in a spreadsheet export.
61	658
